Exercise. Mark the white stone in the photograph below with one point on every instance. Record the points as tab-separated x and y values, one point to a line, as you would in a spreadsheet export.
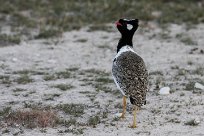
52	61
164	90
37	55
118	114
14	59
199	86
197	121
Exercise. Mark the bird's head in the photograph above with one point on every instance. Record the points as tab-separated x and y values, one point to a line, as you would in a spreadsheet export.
127	26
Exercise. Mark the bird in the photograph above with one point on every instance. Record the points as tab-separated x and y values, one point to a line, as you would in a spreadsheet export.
129	70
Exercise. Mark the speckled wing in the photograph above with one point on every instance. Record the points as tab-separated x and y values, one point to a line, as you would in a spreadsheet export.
131	75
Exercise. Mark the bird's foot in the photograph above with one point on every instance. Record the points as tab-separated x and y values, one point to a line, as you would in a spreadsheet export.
122	116
132	126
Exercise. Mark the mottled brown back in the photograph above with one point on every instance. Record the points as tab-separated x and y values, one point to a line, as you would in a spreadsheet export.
132	76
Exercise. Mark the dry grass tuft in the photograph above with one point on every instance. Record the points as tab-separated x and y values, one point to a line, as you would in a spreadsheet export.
32	118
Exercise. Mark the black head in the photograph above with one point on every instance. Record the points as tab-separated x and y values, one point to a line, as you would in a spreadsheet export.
127	26
127	29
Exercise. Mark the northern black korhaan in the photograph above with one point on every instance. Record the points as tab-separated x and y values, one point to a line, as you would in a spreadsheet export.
128	69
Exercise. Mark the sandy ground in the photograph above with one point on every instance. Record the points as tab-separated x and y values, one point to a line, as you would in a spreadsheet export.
170	63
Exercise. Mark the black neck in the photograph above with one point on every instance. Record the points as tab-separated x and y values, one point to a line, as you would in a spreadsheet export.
125	40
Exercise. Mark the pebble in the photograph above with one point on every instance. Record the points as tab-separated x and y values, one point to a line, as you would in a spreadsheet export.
199	86
14	59
164	90
118	114
192	122
52	61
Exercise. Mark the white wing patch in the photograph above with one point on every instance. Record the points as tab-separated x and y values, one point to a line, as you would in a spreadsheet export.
129	26
118	86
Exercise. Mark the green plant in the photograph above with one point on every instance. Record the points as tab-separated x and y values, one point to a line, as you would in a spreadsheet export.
94	120
67	123
81	40
198	71
64	87
49	77
190	63
188	41
5	79
78	131
18	90
72	109
105	114
156	73
49	33
5	111
51	96
182	72
24	79
9	39
63	74
27	71
103	80
190	86
185	39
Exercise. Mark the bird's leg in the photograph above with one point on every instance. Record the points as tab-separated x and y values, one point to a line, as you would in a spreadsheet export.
124	107
134	117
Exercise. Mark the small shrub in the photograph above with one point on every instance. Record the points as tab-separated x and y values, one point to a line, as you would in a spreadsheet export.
49	77
190	86
33	118
5	79
64	87
5	111
81	40
18	90
24	79
63	74
67	123
93	121
72	109
44	34
9	39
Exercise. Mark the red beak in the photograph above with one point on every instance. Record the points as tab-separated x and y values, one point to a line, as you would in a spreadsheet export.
118	24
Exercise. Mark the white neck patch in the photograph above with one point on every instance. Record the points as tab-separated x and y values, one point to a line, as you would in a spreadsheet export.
124	49
129	26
